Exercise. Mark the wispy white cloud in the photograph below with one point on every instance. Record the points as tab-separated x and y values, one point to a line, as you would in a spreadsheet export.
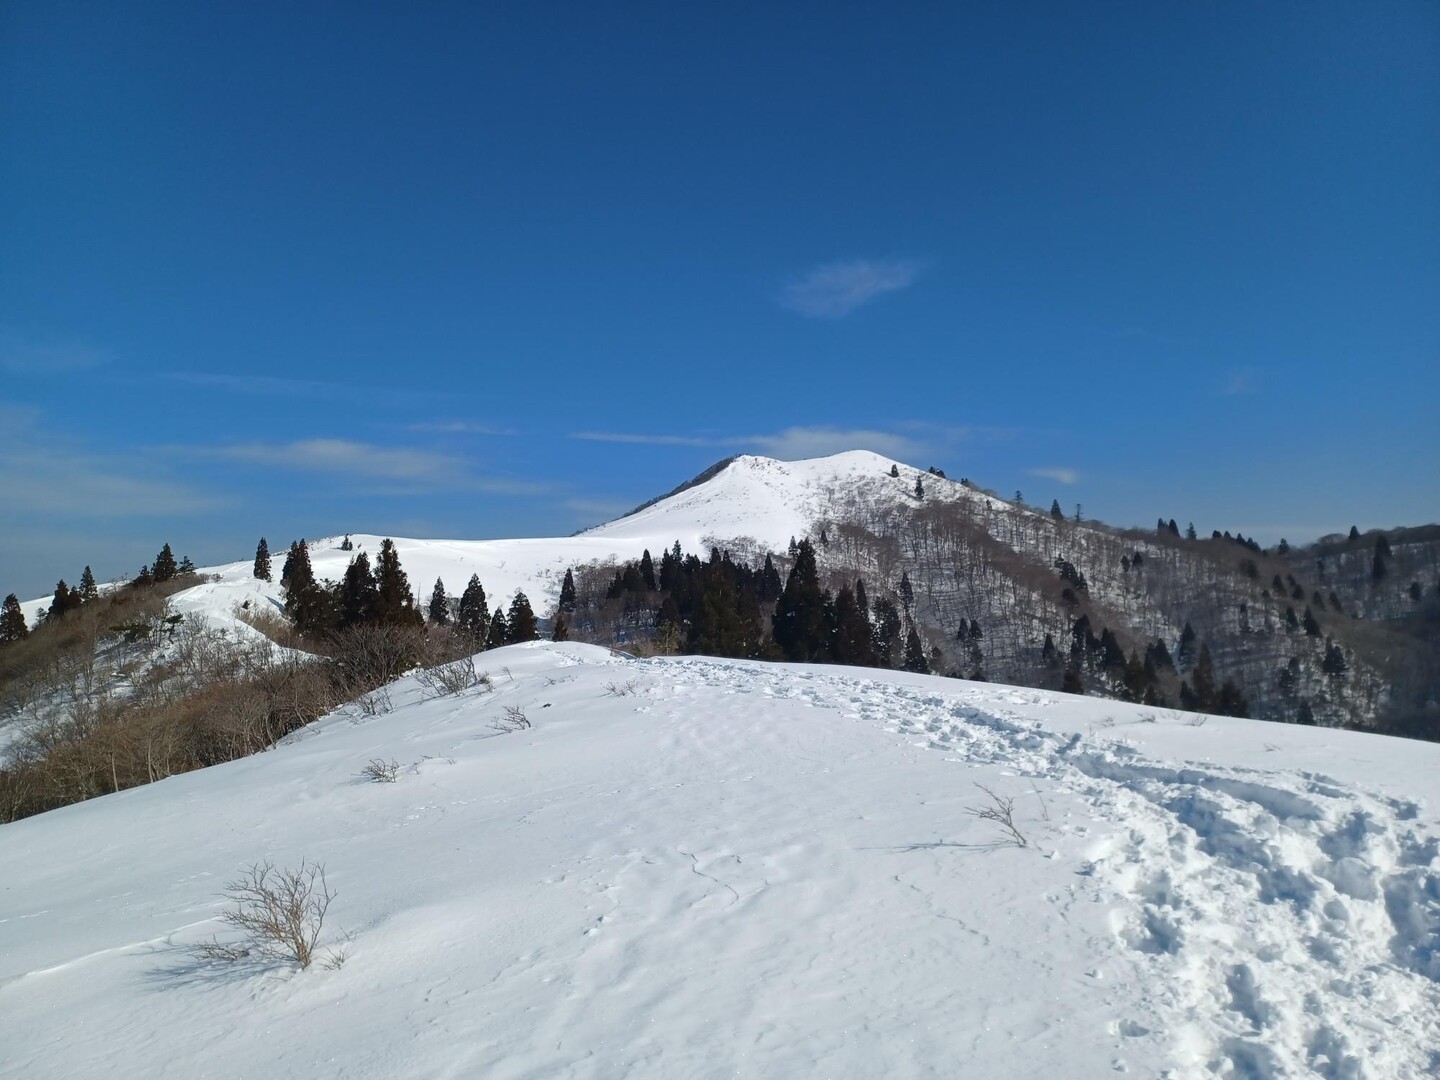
23	356
413	470
598	509
834	290
1059	475
266	385
917	441
459	427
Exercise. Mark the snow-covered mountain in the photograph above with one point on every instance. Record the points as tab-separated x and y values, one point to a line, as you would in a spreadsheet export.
706	868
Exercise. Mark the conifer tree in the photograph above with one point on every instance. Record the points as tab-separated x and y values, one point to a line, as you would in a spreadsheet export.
143	579
769	587
186	566
559	628
63	602
919	487
1071	683
12	621
296	573
1334	663
439	605
474	616
1203	681
396	604
1305	714
915	659
1055	511
567	588
521	624
89	591
1312	627
799	621
1185	652
895	471
262	560
885	632
165	567
907	591
647	571
499	633
359	593
851	643
1190	531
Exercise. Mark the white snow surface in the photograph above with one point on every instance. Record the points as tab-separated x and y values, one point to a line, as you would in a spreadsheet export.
711	868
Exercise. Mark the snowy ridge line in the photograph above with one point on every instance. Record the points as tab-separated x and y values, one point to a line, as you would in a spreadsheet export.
1249	903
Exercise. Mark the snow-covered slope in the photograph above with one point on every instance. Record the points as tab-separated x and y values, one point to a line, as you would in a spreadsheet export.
753	498
706	868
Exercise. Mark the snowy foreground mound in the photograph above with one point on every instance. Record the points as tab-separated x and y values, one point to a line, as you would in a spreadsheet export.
704	868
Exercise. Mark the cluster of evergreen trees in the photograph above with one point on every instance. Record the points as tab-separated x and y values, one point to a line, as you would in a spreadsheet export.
721	608
380	594
67	598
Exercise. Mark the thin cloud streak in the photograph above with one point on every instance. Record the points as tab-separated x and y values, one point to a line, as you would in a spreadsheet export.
834	290
458	427
918	441
1059	475
20	356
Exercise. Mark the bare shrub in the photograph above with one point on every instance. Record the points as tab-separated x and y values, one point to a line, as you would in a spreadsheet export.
1002	812
379	771
373	654
374	702
513	720
279	912
273	625
624	689
452	677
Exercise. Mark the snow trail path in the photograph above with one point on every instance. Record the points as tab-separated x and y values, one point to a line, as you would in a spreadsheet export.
707	868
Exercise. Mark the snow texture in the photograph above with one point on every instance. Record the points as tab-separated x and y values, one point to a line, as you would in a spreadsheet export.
704	868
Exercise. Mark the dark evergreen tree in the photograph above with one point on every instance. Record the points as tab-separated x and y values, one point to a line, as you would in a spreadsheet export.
292	560
1382	546
1071	682
1377	567
919	487
1312	627
186	566
144	579
647	571
559	627
1305	714
895	471
915	654
396	603
165	566
63	602
907	591
1048	652
769	587
521	626
347	544
799	622
1354	533
1055	511
1134	679
1334	664
1112	656
1202	681
1292	621
1190	531
359	594
262	560
12	621
885	631
1159	656
567	589
1174	529
439	605
1185	651
499	632
852	644
473	619
89	591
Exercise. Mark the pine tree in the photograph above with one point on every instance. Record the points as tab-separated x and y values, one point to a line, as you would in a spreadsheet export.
1334	663
799	622
647	571
907	591
915	654
165	567
499	633
396	604
1305	714
919	487
1312	627
1055	511
359	593
143	579
559	628
885	631
895	471
1185	651
186	565
567	588
1203	682
63	602
1377	568
474	616
12	621
851	644
439	605
769	587
296	573
262	560
1190	531
89	591
1071	683
521	623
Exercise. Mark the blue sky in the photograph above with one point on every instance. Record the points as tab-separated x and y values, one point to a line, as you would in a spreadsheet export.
489	270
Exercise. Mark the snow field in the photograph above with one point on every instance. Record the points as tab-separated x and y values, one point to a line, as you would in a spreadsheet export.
704	868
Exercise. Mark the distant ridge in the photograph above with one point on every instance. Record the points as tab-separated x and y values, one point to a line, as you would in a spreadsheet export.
709	474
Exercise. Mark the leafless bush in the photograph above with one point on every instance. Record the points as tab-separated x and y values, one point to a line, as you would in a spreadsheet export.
373	654
1198	720
624	689
452	677
513	720
280	913
374	702
1002	812
379	771
273	625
